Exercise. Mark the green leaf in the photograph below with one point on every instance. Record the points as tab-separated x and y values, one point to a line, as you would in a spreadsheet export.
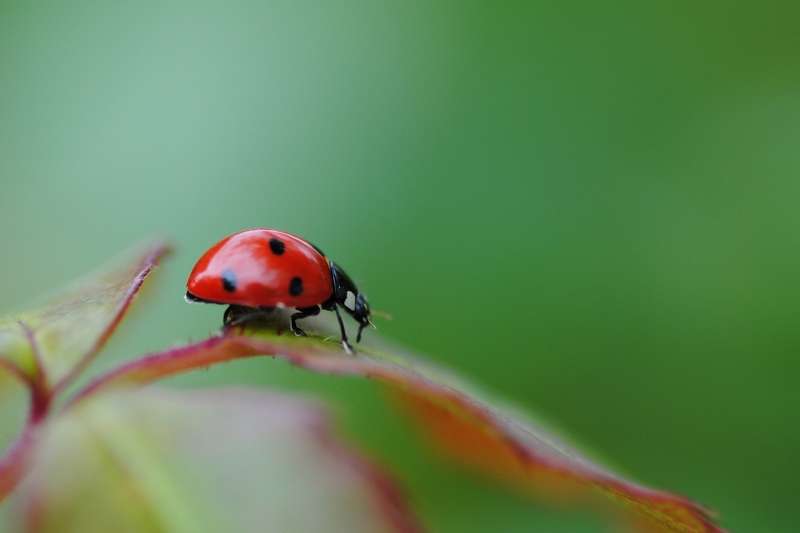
52	344
470	426
48	347
155	460
16	433
16	352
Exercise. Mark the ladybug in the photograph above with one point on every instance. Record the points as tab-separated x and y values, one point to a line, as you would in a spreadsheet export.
263	269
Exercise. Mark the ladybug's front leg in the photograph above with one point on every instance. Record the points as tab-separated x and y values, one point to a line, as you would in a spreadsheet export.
303	312
346	345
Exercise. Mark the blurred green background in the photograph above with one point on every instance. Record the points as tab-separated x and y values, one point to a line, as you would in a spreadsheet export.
593	210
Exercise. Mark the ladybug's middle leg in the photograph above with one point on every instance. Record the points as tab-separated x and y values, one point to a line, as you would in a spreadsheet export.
237	314
303	312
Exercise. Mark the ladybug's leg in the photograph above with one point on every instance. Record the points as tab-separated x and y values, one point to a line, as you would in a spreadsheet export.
346	345
303	312
226	318
237	314
233	315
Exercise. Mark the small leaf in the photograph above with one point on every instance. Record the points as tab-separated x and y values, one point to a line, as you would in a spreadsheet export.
54	343
16	353
208	461
472	427
16	431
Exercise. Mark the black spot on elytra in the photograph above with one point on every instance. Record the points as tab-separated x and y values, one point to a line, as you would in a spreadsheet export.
277	246
228	280
296	286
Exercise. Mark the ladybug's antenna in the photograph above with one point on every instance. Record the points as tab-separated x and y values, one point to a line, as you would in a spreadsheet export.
385	316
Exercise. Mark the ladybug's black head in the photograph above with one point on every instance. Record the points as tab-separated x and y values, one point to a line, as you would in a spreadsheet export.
347	295
361	314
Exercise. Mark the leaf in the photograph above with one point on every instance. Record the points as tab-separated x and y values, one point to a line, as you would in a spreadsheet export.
471	426
16	353
45	349
16	459
16	433
52	344
208	461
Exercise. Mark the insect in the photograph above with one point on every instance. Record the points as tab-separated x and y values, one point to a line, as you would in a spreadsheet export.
259	270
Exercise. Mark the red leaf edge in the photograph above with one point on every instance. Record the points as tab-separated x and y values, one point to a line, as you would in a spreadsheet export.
171	362
14	463
390	498
674	512
146	265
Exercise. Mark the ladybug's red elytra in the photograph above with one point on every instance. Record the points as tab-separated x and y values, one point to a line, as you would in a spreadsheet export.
263	269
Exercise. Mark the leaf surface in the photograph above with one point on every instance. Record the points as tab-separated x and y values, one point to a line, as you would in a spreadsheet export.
16	352
50	345
203	461
16	435
469	425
